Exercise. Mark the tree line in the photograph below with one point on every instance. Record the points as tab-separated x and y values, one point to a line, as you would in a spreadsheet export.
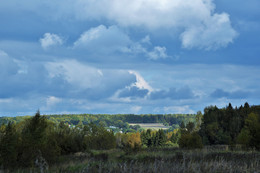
118	120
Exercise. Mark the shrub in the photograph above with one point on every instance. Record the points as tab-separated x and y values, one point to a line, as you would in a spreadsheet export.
190	141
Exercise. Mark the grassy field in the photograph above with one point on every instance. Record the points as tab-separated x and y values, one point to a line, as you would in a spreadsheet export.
158	160
154	126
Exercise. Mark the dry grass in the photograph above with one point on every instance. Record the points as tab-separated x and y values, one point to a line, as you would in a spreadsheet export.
159	160
179	162
155	126
167	160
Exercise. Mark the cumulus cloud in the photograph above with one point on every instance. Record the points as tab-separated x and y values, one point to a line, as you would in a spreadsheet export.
90	82
63	79
104	40
215	33
50	40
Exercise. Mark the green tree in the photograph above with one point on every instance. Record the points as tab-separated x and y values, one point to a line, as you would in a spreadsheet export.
190	126
98	137
162	139
190	141
244	138
37	139
8	147
146	137
198	120
250	134
175	137
182	125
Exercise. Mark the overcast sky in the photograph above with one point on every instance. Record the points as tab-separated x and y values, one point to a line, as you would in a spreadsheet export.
128	56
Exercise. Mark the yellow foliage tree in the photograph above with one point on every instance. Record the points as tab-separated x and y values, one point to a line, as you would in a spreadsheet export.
134	140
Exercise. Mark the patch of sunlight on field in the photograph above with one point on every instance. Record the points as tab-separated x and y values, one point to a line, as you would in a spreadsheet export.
151	125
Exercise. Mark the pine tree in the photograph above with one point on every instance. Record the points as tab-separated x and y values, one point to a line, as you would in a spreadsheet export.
34	139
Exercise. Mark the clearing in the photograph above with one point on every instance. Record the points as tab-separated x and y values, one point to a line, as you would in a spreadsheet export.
154	126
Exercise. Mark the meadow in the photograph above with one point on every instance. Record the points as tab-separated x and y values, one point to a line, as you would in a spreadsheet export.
158	160
154	126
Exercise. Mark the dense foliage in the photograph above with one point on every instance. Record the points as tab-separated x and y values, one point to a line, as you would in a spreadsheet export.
231	126
37	138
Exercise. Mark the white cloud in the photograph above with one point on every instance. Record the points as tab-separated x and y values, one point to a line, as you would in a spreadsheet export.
136	109
158	52
140	82
52	101
151	14
204	79
50	40
146	40
102	40
179	109
85	81
76	73
6	100
193	18
215	33
196	17
7	65
3	54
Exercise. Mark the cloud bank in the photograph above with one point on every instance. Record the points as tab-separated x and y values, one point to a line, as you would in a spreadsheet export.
195	21
203	27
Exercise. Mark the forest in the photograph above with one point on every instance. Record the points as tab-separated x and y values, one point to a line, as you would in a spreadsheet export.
84	143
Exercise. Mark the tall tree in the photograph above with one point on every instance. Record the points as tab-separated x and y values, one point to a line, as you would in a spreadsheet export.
34	140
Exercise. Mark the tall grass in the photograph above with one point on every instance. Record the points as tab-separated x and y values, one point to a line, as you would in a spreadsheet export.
159	160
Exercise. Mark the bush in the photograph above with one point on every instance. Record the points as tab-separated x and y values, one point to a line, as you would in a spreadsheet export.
190	141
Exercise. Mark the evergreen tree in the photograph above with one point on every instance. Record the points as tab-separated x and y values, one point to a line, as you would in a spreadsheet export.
35	141
190	126
182	125
175	137
161	137
8	147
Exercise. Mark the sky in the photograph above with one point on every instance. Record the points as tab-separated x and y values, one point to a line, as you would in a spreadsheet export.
128	56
